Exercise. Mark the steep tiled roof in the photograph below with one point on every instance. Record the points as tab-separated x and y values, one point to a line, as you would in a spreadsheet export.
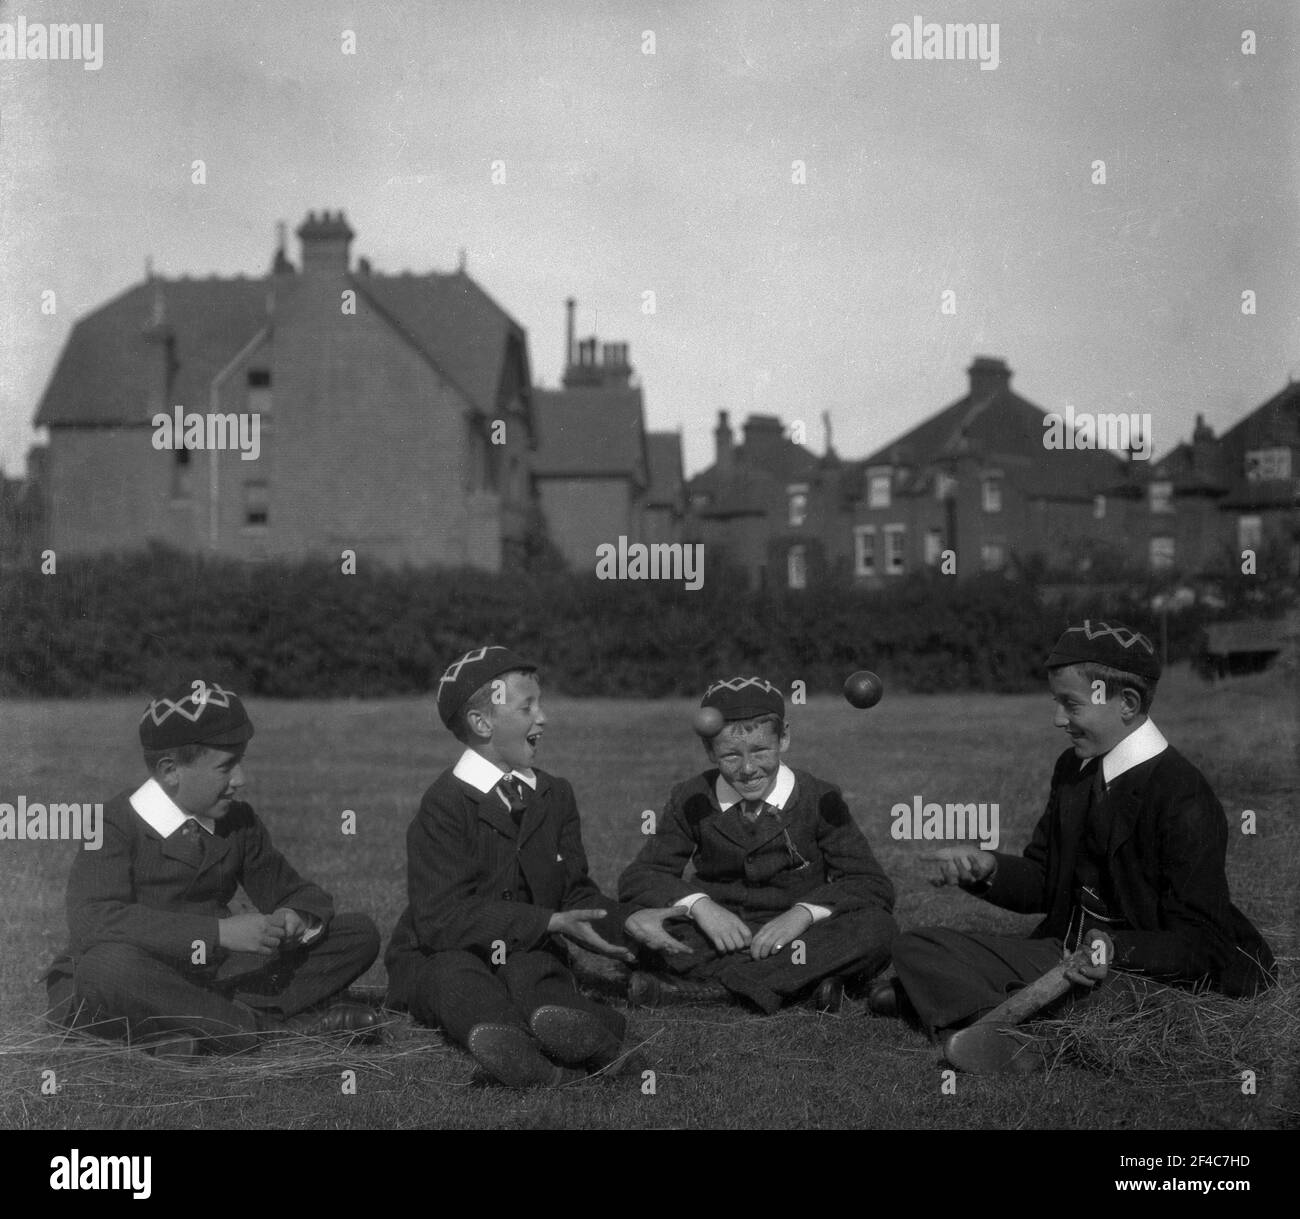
590	432
109	371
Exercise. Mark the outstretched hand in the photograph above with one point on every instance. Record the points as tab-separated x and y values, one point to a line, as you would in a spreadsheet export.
647	927
576	924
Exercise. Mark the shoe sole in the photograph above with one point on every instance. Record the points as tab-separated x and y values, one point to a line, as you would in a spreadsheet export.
572	1036
510	1056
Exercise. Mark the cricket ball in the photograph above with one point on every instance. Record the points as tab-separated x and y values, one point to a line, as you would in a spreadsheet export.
864	689
708	722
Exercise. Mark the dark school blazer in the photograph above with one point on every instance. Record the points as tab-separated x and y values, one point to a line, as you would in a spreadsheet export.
750	869
140	888
468	873
1168	842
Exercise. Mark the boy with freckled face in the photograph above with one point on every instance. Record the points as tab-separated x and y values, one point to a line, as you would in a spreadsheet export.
496	872
1132	843
787	900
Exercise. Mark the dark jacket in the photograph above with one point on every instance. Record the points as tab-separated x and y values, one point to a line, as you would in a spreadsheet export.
1168	842
750	869
472	879
140	888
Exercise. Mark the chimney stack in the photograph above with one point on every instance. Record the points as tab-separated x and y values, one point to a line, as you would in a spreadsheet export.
325	243
569	306
988	375
723	444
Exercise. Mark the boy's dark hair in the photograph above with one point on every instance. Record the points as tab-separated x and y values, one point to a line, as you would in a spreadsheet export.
480	701
181	754
754	723
1116	680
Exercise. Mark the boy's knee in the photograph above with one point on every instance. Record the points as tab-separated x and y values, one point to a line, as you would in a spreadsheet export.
913	948
360	933
105	970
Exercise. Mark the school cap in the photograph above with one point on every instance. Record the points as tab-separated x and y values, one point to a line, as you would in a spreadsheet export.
1098	642
195	713
476	668
744	698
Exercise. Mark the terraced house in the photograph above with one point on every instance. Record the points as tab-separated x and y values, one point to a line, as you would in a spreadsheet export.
395	416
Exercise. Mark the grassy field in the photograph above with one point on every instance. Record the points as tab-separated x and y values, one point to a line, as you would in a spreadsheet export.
714	1067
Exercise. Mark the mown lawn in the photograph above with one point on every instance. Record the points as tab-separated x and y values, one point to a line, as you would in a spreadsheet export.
717	1067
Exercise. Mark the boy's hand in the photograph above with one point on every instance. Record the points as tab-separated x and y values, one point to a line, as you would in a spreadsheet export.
774	935
963	866
250	933
576	924
292	923
647	927
726	932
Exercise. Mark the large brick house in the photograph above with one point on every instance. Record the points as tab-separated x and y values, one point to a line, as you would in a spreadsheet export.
395	416
1211	499
976	484
599	474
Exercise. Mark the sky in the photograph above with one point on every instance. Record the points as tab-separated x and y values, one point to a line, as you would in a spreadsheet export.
673	173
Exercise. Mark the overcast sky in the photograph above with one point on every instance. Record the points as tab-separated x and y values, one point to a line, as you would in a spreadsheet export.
672	173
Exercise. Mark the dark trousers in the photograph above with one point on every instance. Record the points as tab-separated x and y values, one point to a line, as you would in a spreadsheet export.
856	941
457	990
955	977
119	990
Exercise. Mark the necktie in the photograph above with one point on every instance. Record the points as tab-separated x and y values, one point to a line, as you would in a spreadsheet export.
513	791
752	810
192	840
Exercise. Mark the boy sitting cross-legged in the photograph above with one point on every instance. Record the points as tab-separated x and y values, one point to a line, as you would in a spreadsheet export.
495	872
1132	842
156	955
787	899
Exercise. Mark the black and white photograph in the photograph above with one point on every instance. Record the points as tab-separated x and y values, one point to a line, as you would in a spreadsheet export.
647	566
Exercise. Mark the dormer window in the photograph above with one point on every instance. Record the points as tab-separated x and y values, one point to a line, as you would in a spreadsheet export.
991	493
1162	496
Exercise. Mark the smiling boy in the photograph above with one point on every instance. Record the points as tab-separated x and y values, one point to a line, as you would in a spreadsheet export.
495	872
1132	842
787	899
156	955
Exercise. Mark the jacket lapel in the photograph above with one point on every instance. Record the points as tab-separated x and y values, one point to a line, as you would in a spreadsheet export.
538	806
1074	810
215	848
491	809
1125	801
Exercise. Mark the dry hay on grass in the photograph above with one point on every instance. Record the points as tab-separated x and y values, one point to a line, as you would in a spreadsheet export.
1155	1035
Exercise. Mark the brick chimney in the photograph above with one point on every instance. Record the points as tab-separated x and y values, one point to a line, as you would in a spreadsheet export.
988	375
325	242
725	452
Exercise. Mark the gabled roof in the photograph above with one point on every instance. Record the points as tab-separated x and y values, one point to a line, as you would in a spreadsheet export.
109	370
664	459
590	432
459	328
1004	430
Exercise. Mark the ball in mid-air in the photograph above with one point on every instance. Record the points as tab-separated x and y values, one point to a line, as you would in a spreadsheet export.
864	689
708	722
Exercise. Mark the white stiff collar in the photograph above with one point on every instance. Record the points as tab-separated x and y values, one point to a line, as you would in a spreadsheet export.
780	793
160	812
1141	745
473	768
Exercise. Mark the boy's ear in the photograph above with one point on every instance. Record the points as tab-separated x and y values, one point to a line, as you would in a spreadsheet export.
785	739
167	773
1130	702
480	724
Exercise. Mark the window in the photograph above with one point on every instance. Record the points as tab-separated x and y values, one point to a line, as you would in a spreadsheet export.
878	489
1263	465
1162	553
945	486
1250	532
1162	496
1099	508
796	567
256	505
991	491
894	542
992	556
864	550
259	391
933	546
798	504
182	474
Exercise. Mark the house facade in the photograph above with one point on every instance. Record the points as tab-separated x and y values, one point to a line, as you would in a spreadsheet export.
393	416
